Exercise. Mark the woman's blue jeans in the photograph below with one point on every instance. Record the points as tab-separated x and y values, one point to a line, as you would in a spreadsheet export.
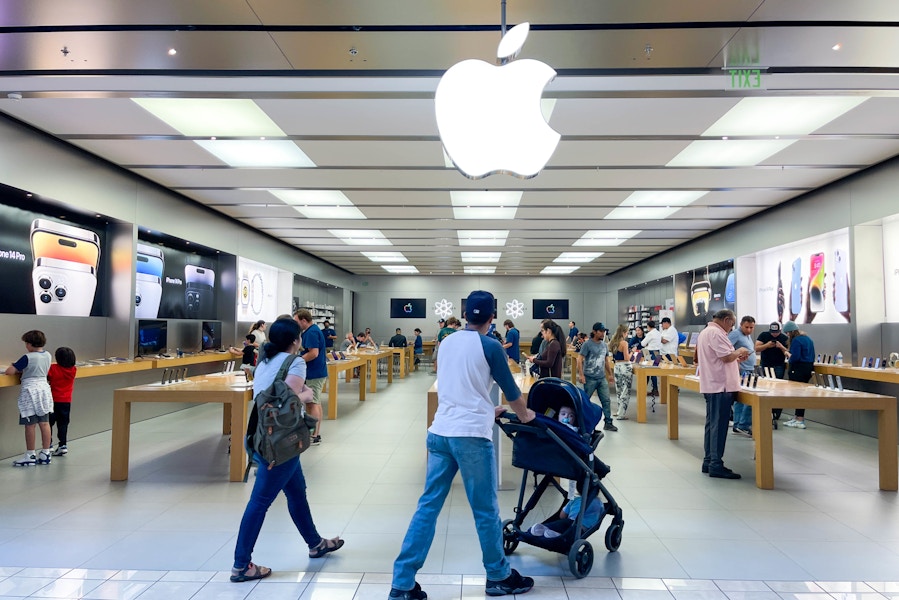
269	483
474	458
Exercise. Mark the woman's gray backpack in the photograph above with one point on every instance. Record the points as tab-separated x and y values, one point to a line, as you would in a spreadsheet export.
283	428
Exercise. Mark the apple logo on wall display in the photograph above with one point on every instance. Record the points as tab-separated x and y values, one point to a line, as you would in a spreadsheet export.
489	117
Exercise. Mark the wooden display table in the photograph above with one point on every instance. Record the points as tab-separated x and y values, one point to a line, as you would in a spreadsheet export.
847	372
773	393
335	367
232	390
372	357
523	381
193	359
644	371
405	355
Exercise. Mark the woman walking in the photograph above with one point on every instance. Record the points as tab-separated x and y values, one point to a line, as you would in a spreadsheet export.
624	370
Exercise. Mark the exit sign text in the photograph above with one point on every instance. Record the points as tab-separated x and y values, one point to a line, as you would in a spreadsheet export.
742	79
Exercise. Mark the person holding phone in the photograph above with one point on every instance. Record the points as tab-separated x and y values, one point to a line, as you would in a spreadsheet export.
801	357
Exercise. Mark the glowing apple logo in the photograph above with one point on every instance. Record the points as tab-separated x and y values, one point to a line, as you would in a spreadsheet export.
489	117
551	309
407	308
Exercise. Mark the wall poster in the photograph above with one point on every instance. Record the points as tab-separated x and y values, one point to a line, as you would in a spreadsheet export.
701	292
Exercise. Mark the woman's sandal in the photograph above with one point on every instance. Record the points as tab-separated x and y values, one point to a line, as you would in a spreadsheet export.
325	546
249	573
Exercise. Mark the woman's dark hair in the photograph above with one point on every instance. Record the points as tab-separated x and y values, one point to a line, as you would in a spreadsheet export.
35	337
557	333
257	325
640	327
65	357
281	335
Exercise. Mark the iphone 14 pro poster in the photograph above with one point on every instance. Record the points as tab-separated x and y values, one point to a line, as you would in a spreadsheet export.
174	284
52	265
701	292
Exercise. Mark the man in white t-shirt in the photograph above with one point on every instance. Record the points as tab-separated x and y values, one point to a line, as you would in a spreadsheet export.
652	341
669	338
461	440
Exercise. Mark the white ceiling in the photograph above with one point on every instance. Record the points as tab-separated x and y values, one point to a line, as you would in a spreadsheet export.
367	119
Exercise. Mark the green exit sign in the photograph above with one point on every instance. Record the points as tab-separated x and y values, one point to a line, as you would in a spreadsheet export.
746	79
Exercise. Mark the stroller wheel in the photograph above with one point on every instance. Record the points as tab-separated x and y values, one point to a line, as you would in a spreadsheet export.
510	538
613	535
580	558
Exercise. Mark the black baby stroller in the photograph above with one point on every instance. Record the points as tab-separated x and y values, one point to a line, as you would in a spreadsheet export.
550	449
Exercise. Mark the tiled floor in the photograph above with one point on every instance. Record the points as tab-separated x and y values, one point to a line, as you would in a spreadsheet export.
825	533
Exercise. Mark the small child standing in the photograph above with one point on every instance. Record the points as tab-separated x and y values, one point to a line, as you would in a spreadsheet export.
62	379
35	398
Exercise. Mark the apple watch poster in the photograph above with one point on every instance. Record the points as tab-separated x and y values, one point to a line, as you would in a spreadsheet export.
52	266
701	292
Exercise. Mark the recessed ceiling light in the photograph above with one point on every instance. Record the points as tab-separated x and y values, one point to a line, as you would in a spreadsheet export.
482	237
577	257
385	257
330	212
400	269
558	270
637	213
257	154
481	256
663	197
729	153
360	237
485	205
836	46
202	117
479	270
172	52
784	115
606	237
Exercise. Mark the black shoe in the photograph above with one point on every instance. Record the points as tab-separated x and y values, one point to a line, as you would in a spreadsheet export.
705	468
415	593
316	440
610	427
513	584
724	473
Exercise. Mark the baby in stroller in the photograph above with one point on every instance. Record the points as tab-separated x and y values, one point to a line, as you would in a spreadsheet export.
561	443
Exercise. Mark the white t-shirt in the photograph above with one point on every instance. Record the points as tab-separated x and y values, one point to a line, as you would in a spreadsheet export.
653	340
669	347
259	336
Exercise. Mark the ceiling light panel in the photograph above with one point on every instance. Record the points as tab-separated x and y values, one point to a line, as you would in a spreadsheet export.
211	116
727	153
385	257
637	213
606	237
482	237
479	270
360	237
577	257
783	115
558	270
257	153
488	205
330	212
481	256
400	269
663	197
312	197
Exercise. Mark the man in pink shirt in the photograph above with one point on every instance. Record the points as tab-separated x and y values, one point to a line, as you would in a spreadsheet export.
719	381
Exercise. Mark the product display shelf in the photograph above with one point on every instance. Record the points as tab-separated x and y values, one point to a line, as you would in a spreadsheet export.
321	312
637	315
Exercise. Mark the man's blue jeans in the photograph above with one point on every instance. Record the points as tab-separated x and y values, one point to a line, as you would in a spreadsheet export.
742	412
601	387
717	414
474	458
287	476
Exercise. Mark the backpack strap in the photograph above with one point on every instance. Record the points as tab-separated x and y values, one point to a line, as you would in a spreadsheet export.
285	366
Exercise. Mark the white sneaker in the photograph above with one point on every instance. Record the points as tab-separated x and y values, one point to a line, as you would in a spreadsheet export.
28	459
61	450
799	425
791	423
44	457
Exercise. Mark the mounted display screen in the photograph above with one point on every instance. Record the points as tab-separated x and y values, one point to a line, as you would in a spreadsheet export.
408	308
550	309
152	337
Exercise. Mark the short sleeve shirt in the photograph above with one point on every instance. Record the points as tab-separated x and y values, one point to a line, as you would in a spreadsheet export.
329	333
266	371
594	354
715	375
318	366
773	356
512	337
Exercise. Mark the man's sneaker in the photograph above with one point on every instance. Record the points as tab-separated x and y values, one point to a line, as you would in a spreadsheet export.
29	459
44	456
61	450
415	593
798	424
790	423
316	440
742	431
610	427
513	584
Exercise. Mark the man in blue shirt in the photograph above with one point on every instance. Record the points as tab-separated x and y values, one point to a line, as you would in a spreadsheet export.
418	349
330	335
314	354
512	336
572	331
742	338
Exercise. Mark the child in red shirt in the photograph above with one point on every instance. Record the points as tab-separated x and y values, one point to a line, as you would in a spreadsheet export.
62	379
